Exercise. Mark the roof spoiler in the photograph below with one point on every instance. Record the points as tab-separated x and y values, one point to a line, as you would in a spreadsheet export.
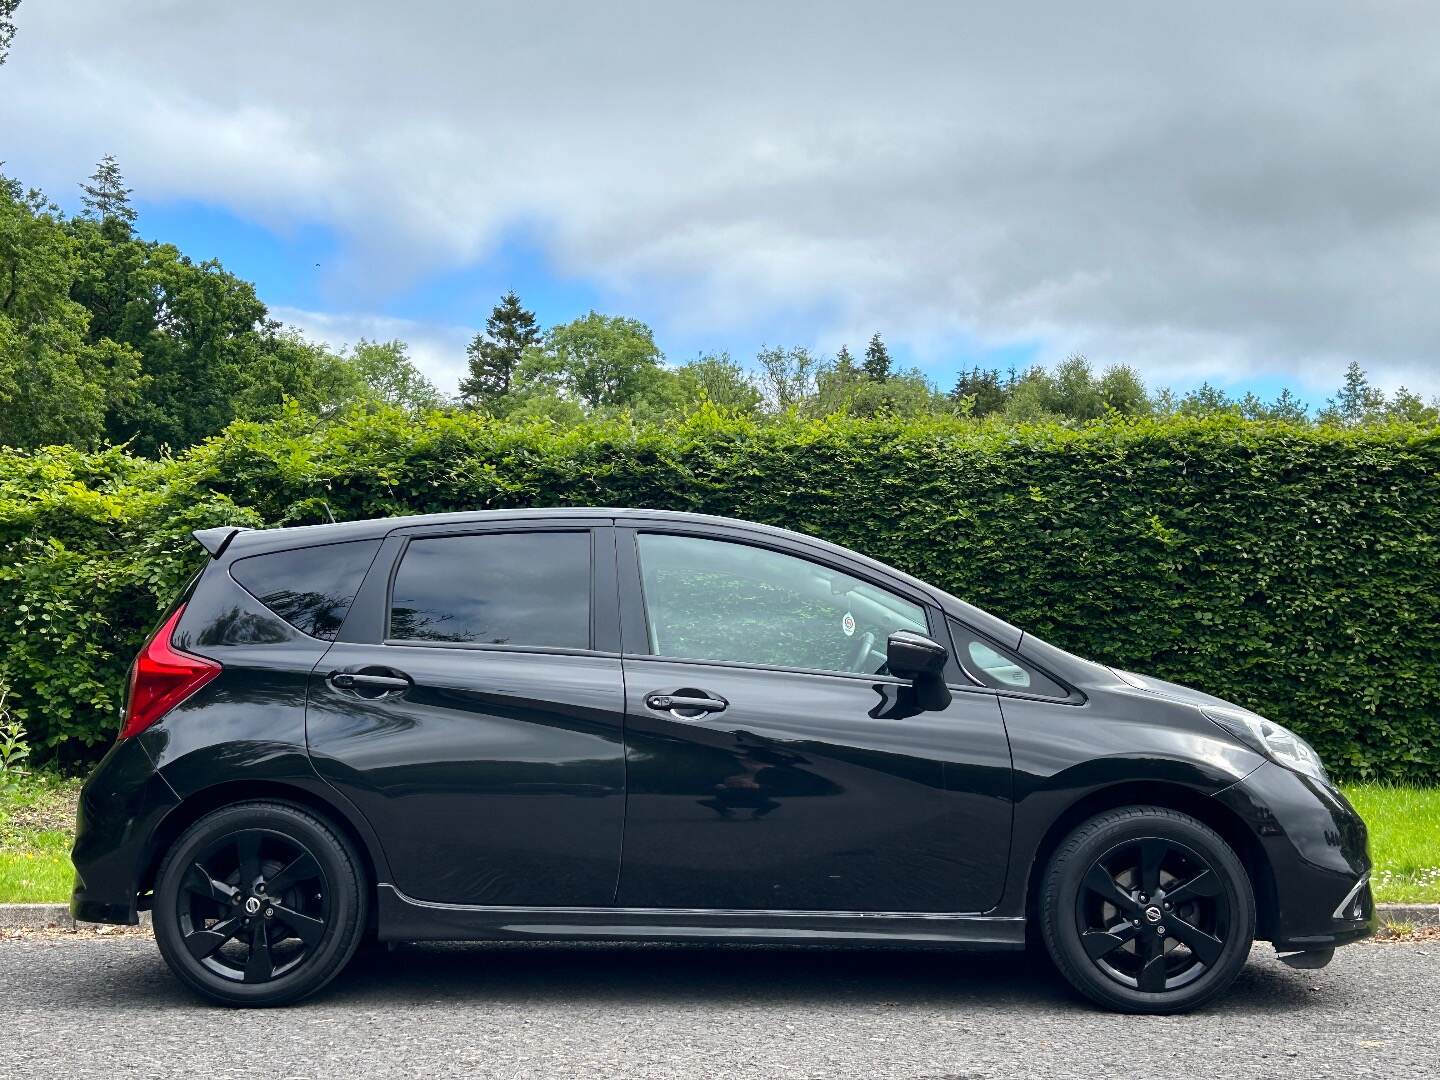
216	540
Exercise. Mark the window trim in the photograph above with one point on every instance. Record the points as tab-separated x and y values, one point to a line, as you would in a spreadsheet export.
593	601
721	535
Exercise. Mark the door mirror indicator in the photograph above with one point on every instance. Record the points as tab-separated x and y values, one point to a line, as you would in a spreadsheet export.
909	655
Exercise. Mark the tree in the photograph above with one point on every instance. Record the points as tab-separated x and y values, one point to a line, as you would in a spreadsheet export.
849	390
598	361
877	359
1357	401
7	26
283	367
386	368
787	376
1286	406
987	392
56	385
105	197
1408	407
719	380
1121	390
1206	400
495	354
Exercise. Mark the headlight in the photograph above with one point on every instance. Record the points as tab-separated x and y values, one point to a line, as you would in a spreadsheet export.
1278	743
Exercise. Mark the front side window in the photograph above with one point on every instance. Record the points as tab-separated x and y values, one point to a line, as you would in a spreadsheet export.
718	600
520	588
310	588
990	666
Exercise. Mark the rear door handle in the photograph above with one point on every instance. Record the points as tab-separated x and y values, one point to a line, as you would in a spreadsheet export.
673	703
352	680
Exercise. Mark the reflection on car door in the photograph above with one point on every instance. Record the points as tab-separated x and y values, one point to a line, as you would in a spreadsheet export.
481	733
755	787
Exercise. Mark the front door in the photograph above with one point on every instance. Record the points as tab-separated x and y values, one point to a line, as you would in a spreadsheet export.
477	722
771	763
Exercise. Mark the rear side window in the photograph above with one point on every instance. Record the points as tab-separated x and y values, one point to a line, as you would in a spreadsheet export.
310	588
521	588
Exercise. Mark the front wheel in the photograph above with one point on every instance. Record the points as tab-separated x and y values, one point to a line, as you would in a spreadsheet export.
258	904
1147	910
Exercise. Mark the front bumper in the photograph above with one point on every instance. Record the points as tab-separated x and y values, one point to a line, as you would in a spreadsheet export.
120	806
1318	893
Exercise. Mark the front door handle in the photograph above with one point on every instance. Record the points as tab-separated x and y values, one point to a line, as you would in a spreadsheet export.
697	704
361	681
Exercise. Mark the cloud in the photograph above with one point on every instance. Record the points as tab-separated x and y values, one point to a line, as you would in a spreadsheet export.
438	351
1204	190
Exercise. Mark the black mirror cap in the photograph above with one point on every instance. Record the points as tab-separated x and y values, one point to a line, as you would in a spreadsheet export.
909	655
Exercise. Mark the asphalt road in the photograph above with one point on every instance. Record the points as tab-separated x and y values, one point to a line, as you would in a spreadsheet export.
106	1007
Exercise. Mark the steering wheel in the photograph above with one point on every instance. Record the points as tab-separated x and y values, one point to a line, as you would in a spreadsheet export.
863	644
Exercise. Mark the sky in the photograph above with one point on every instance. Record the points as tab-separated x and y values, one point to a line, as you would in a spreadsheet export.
1243	194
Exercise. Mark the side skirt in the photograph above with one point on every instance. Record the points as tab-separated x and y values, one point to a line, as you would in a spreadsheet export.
402	918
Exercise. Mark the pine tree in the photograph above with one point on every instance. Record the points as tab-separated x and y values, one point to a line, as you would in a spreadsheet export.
494	355
844	362
1357	400
877	359
989	394
106	198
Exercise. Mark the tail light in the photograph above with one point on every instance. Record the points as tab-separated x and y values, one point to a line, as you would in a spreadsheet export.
162	677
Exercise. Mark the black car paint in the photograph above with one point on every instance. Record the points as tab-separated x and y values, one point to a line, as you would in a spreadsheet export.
492	803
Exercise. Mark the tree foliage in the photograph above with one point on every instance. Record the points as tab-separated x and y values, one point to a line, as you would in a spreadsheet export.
877	359
598	361
7	26
105	336
105	197
495	354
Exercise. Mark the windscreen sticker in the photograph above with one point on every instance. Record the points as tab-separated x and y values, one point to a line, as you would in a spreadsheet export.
847	623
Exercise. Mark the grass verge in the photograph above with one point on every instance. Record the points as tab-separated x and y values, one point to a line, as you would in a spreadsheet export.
1404	840
38	812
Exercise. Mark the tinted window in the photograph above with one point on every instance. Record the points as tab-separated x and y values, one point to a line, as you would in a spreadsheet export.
715	600
992	666
310	588
523	588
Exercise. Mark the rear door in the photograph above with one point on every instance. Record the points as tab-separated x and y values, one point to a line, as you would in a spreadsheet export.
773	765
472	709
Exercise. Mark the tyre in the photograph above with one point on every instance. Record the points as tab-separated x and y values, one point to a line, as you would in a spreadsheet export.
1147	910
259	904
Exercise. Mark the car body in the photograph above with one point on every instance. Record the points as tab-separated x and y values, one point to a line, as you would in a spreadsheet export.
611	723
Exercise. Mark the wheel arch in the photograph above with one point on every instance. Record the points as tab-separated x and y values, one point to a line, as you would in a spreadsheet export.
1186	800
228	793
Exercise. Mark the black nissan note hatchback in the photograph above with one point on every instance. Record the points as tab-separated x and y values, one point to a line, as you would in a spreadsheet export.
636	724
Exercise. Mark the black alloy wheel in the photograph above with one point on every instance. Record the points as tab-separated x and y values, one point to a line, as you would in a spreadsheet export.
253	906
1152	915
258	904
1146	909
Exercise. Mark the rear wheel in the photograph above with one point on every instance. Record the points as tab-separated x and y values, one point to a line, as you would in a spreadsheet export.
258	904
1145	909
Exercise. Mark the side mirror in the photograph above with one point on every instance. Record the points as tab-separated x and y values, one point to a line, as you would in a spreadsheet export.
909	655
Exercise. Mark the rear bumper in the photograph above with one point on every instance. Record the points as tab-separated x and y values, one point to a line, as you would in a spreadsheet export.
120	806
1318	852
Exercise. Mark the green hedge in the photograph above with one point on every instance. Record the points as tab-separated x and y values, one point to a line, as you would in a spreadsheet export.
1293	569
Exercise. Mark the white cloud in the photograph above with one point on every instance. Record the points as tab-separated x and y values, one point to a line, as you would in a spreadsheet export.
1205	190
438	351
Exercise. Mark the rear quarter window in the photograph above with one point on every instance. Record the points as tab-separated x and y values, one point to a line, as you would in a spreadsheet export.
311	588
